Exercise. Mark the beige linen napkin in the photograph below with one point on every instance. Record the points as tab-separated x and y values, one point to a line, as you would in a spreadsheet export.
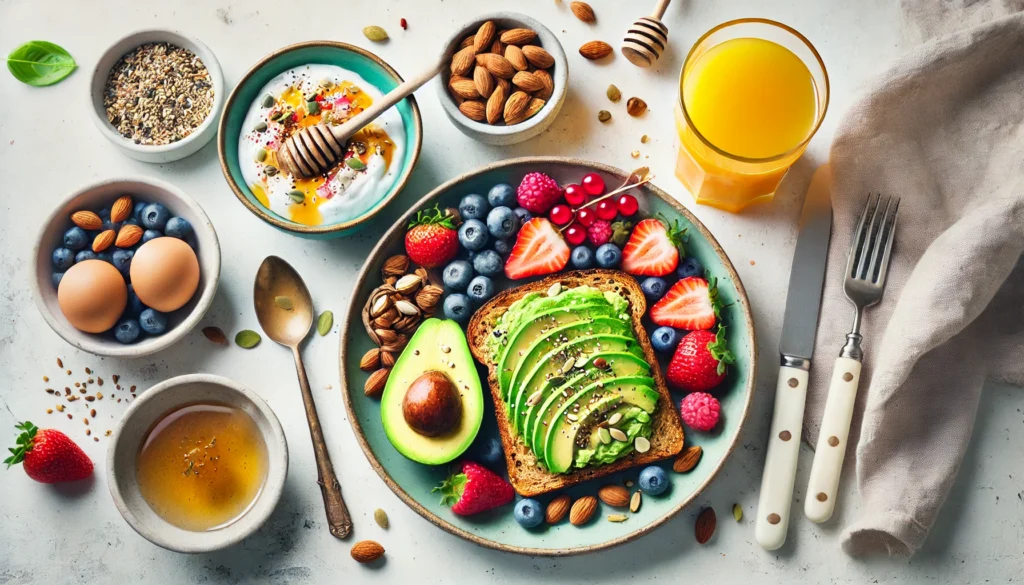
943	130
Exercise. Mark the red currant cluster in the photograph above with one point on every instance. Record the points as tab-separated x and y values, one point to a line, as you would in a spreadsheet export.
586	213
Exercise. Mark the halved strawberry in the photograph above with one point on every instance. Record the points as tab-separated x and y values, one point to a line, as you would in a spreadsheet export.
653	248
691	304
539	250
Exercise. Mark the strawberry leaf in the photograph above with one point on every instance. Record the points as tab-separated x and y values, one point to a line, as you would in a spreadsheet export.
433	215
719	350
675	233
24	443
451	489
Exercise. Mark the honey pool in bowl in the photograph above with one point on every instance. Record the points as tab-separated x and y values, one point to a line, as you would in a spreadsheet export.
202	466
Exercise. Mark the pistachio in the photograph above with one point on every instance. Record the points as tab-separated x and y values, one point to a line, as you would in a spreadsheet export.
406	308
381	304
261	127
261	155
409	283
284	302
381	518
604	116
247	339
313	107
613	93
355	164
296	196
270	170
324	323
375	34
268	101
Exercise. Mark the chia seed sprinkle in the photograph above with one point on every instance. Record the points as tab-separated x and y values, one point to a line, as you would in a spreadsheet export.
158	93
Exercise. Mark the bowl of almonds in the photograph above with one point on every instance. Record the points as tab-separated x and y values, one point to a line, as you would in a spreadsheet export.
506	80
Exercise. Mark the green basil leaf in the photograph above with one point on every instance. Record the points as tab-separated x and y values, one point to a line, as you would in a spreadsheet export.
248	339
39	63
324	323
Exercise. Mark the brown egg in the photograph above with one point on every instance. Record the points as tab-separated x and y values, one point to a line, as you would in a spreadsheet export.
92	295
165	273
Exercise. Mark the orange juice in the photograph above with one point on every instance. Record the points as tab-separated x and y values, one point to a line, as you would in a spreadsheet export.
748	106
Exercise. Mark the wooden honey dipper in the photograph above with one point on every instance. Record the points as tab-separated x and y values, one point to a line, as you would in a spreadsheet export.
647	38
313	150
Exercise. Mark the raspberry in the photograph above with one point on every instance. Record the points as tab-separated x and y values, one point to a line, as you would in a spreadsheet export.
599	232
538	192
700	411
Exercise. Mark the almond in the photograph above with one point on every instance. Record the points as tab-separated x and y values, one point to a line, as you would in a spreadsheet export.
370	360
497	65
557	509
497	47
128	236
538	57
484	36
504	84
595	50
549	84
375	383
582	510
395	265
496	104
483	80
465	88
387	359
86	220
583	11
527	82
473	109
462	61
615	496
429	295
532	108
688	459
516	106
121	209
517	36
367	551
515	56
467	42
103	241
705	526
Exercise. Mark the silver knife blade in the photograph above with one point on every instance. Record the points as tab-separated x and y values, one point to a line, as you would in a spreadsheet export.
803	301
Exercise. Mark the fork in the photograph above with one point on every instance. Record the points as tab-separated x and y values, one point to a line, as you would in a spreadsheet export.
864	285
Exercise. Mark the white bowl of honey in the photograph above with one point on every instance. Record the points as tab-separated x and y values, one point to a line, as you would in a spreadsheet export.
197	464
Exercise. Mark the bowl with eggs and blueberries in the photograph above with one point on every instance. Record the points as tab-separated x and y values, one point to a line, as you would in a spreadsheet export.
126	267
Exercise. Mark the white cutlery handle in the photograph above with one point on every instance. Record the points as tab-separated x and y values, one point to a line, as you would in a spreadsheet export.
780	462
823	485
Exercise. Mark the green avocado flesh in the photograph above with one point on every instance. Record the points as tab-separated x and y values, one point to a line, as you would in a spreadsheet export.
438	345
544	350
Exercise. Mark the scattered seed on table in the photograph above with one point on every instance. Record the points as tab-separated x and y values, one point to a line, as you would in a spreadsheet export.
88	371
46	378
60	364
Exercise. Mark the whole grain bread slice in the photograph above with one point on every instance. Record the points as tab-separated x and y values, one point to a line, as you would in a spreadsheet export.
526	475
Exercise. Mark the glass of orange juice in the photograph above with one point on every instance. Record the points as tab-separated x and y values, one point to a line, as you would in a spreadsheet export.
752	93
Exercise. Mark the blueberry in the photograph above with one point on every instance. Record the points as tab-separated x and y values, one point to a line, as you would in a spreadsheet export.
488	263
152	322
502	223
105	213
457	275
85	255
149	235
523	215
665	339
135	306
653	480
473	206
473	235
76	238
689	267
137	210
56	278
503	246
106	257
456	307
127	331
653	288
178	227
122	260
608	255
529	513
488	451
155	216
109	225
582	258
130	221
480	289
63	259
501	194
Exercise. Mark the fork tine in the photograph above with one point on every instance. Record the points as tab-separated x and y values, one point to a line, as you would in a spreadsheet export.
867	238
859	237
874	254
888	231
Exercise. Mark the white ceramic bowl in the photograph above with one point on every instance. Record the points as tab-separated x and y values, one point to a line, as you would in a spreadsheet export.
103	194
167	152
502	135
140	417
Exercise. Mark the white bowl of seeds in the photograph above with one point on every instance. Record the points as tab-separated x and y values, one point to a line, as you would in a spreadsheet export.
158	95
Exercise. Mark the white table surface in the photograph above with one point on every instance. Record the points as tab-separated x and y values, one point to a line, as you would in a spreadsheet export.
48	147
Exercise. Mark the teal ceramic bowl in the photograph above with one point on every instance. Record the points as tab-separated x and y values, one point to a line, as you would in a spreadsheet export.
498	529
371	68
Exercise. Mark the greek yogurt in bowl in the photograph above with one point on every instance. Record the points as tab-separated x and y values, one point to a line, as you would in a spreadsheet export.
320	94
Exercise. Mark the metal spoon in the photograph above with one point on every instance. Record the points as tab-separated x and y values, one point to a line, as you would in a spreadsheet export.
285	312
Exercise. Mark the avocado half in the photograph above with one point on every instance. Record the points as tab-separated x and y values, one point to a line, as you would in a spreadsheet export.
438	345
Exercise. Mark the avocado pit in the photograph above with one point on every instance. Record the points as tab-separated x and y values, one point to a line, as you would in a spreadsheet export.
432	405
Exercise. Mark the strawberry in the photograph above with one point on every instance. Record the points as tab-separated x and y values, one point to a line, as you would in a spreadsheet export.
539	249
432	239
477	489
700	361
537	193
691	304
49	456
653	248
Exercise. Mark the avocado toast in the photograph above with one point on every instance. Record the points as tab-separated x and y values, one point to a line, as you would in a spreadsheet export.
576	384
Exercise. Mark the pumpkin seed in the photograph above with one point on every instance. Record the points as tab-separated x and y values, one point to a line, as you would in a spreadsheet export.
261	127
556	381
604	435
555	289
618	435
737	512
581	361
604	116
381	518
268	101
613	94
634	502
247	339
270	170
534	398
297	196
355	164
615	418
313	107
261	155
375	34
617	518
323	325
284	303
642	444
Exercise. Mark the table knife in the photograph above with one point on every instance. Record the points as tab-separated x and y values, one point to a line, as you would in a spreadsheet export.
797	348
